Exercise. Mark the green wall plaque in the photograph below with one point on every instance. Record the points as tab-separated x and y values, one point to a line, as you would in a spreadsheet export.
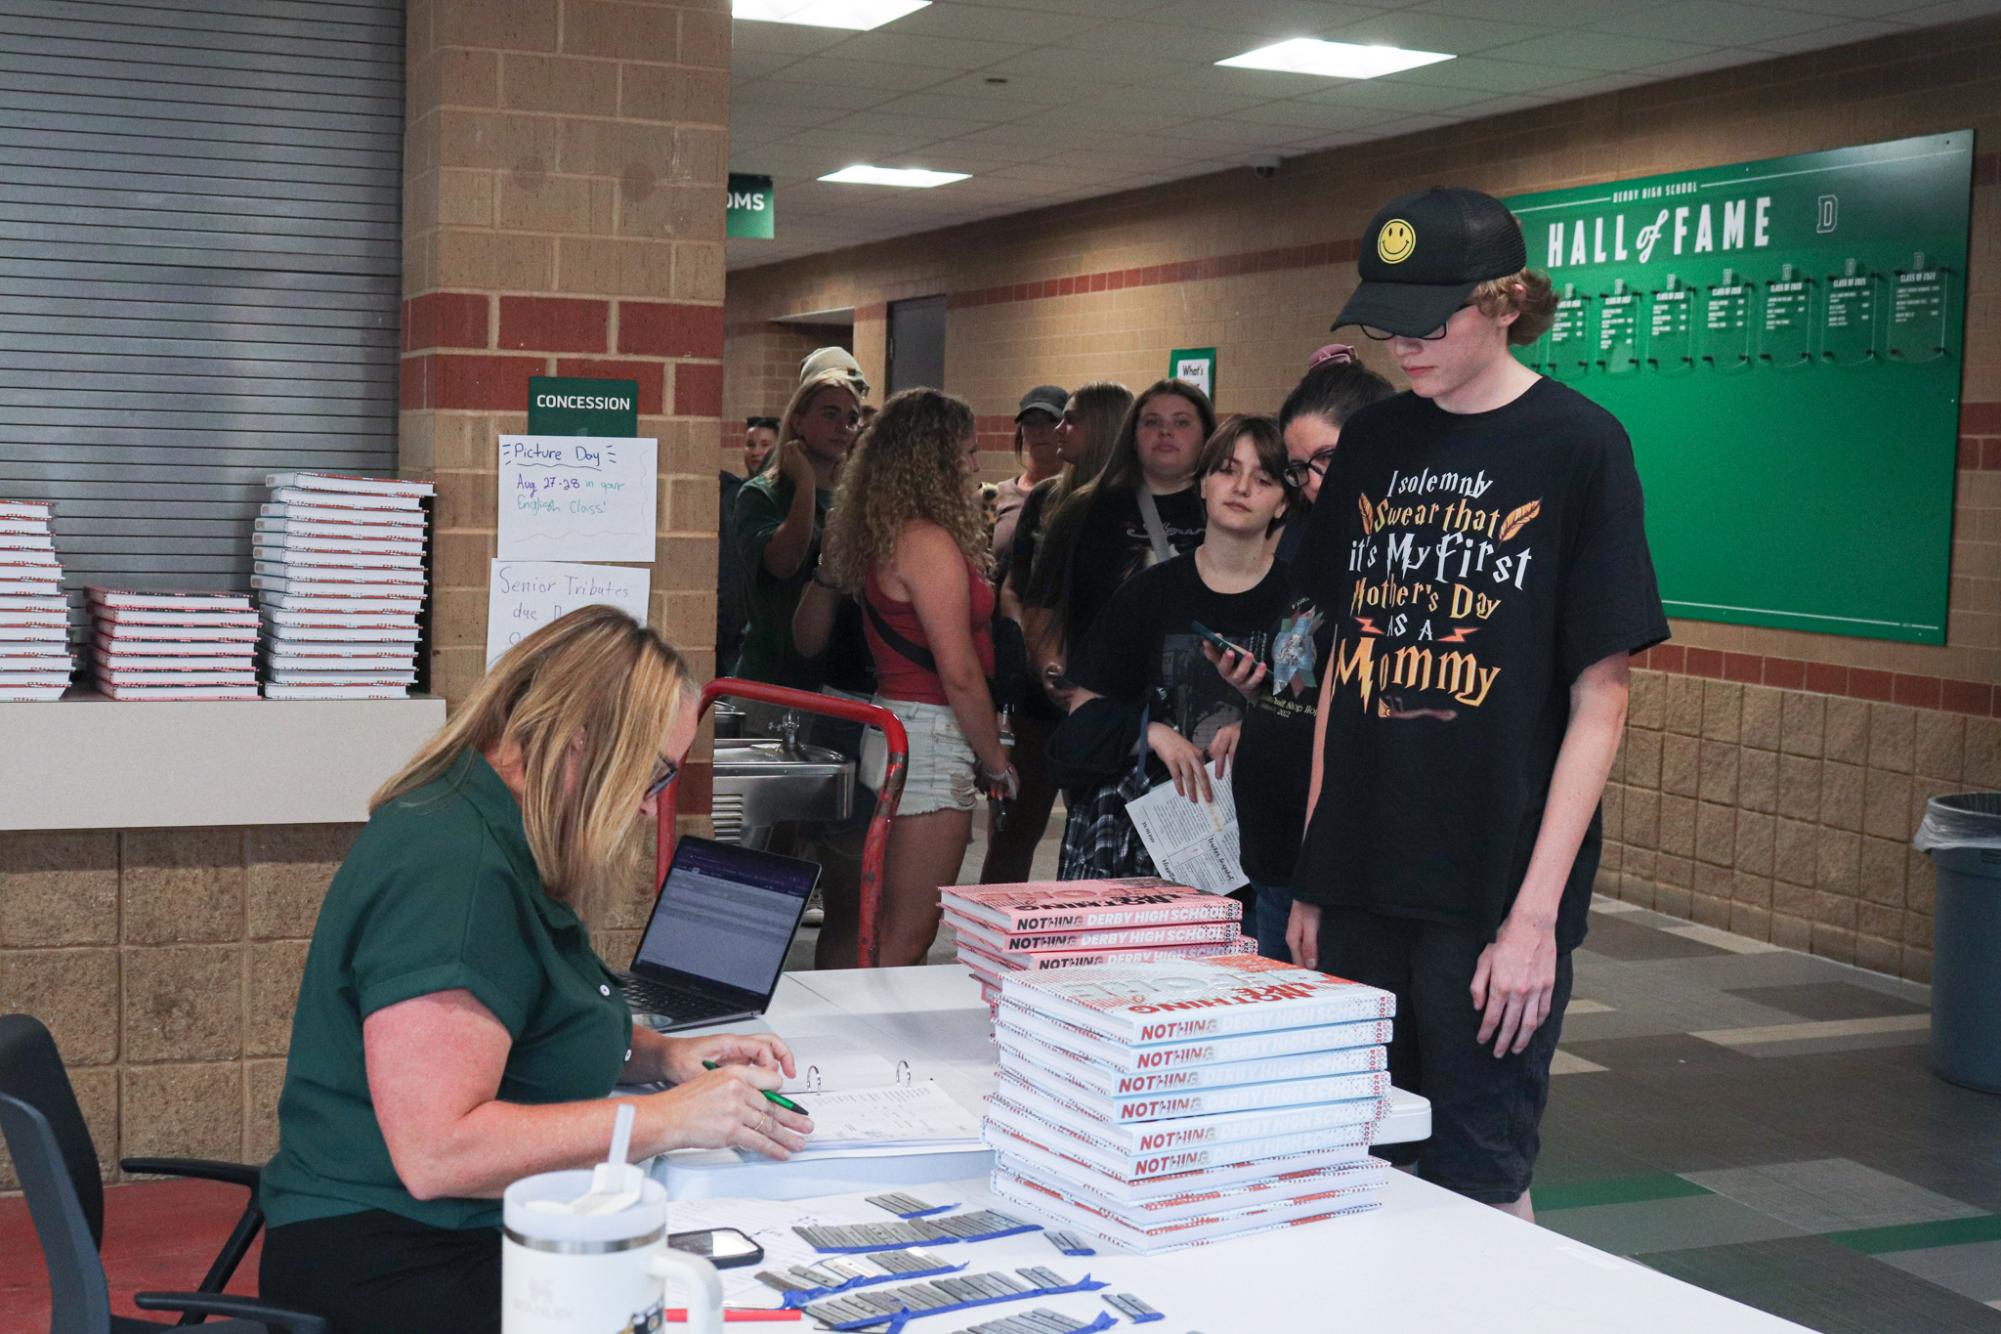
1783	341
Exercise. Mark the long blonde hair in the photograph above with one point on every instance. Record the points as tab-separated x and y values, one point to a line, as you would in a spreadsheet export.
802	400
594	685
909	464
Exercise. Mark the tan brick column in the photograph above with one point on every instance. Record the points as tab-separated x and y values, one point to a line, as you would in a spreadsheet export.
564	171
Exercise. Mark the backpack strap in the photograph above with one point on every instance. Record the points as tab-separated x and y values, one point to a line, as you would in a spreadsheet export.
917	654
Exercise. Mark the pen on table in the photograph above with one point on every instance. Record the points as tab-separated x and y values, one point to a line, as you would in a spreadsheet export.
777	1099
735	1314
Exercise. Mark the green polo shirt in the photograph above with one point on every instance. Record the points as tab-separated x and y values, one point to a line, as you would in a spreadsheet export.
761	506
440	893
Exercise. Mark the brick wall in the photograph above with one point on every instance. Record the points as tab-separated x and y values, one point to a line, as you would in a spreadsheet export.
761	369
563	214
1106	287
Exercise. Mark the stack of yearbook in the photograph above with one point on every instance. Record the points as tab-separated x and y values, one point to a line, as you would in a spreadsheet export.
35	662
1160	1105
340	579
1061	925
165	645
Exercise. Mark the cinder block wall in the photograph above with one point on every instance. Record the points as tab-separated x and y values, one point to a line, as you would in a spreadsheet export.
1771	780
563	214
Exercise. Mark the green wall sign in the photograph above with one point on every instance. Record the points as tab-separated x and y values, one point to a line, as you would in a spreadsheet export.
565	405
752	207
1197	365
1783	341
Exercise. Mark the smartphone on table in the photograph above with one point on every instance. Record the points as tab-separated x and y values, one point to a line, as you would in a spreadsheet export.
723	1247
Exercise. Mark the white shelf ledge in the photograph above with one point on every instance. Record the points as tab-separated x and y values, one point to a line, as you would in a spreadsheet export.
87	762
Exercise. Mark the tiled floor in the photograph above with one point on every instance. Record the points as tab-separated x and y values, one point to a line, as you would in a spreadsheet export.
1751	1120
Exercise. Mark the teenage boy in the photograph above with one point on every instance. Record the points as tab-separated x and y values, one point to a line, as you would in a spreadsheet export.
1480	549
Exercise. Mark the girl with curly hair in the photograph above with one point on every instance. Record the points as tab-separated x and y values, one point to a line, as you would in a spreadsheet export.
906	534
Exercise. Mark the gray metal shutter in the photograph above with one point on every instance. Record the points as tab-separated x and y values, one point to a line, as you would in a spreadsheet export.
200	259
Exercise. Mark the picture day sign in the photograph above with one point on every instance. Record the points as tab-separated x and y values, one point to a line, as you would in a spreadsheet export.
524	596
577	498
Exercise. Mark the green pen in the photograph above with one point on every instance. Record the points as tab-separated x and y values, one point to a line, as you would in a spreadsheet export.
777	1099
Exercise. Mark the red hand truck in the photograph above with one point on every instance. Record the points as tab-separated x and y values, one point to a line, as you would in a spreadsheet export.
886	797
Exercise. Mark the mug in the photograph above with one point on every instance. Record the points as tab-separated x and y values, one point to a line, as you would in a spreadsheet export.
562	1273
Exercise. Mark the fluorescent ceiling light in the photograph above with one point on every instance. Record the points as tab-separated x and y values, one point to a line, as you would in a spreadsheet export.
914	177
860	15
1333	60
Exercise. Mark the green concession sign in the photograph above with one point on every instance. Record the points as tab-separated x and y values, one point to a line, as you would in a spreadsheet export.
1783	341
566	405
752	208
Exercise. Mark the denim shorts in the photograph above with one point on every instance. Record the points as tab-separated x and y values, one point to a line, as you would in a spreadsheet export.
940	772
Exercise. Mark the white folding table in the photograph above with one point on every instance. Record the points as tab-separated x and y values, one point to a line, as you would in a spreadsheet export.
1427	1261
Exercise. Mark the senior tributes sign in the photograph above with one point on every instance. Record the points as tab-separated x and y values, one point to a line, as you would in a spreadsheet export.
1783	342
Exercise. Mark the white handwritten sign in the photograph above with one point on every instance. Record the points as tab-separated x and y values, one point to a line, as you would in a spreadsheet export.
577	498
525	595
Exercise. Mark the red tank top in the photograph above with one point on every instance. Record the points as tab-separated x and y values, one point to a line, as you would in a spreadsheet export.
896	676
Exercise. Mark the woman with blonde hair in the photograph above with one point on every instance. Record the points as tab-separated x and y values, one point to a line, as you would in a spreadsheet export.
455	1030
907	536
780	514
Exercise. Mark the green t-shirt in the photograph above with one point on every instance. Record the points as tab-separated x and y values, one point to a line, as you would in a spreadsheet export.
440	893
761	506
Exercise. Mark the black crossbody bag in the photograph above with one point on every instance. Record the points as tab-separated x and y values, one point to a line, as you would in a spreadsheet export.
1009	683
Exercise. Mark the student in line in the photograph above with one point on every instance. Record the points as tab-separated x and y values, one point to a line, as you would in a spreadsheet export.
1145	656
1283	689
1142	509
1084	434
455	1029
760	437
1035	449
1480	547
779	517
906	535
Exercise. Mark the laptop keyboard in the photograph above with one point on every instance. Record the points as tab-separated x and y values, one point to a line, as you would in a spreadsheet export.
681	1004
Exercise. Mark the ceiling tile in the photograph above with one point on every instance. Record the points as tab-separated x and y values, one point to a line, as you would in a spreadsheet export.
1099	9
1269	18
1103	113
869	127
941	55
1551	13
1439	32
1025	92
767	114
792	39
1192	46
1837	34
979	109
1602	51
892	77
983	22
1247	136
1259	83
1302	114
1717	22
1089	69
1391	95
1485	74
747	64
1702	64
747	94
1853	9
1953	11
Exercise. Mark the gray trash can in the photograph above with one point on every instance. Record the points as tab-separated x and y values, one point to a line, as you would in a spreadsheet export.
1963	835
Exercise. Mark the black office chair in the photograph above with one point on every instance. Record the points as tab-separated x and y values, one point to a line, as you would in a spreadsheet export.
57	1163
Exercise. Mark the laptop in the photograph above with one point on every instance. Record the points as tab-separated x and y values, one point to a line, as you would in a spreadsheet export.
715	946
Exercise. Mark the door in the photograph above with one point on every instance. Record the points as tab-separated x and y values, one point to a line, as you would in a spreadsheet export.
917	343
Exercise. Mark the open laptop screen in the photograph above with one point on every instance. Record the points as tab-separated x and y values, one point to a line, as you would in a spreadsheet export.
727	914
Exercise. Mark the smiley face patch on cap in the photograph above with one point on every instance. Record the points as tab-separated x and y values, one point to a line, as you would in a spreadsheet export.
1395	241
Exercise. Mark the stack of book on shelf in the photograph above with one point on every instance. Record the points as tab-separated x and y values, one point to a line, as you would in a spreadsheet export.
35	663
1160	1105
1061	925
165	645
340	583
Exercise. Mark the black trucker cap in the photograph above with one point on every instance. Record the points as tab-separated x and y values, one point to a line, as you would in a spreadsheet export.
1424	254
1047	399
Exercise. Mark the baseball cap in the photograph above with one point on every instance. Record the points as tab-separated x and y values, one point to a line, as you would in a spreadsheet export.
1423	255
839	359
1048	398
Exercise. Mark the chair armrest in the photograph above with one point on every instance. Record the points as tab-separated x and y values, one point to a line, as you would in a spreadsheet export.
202	1169
236	1308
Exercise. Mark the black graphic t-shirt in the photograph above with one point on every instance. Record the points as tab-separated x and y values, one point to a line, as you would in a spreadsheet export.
1112	546
1274	764
1473	565
1144	651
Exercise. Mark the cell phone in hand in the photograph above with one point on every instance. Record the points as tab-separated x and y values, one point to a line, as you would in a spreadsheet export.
1216	641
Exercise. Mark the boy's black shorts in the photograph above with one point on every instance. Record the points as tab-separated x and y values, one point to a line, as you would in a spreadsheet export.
1485	1111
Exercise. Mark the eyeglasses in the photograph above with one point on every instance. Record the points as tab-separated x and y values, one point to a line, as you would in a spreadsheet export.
1295	472
660	781
1384	335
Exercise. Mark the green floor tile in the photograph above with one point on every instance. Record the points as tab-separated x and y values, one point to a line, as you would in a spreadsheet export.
1615	1190
1914	1236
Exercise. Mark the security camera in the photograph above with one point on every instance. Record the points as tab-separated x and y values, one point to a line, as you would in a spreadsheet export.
1266	167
